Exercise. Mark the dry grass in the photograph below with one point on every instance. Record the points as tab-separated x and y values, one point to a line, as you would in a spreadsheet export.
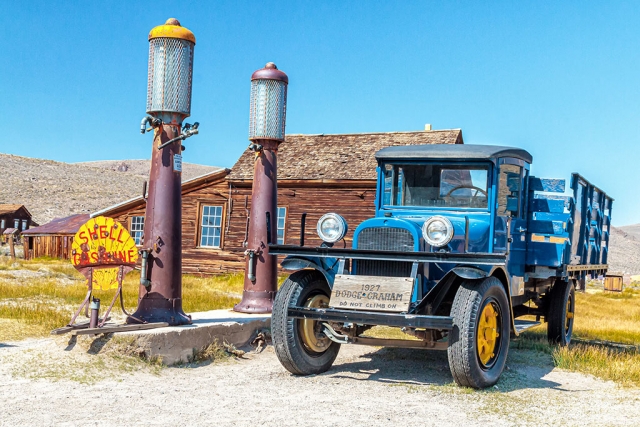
599	316
40	295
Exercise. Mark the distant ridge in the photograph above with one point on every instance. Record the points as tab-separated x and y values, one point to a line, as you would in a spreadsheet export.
51	189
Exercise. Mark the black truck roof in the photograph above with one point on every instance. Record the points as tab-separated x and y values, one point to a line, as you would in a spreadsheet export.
453	151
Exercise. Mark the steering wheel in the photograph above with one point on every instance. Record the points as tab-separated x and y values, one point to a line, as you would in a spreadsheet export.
473	187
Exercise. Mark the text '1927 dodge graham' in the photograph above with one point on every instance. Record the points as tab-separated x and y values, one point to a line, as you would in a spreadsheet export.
463	243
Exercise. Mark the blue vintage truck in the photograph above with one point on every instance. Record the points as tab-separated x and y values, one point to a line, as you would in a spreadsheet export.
464	242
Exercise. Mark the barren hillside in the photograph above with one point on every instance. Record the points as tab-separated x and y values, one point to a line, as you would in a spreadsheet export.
142	167
624	252
54	189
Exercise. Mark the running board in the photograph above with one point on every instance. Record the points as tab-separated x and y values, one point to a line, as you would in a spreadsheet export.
523	325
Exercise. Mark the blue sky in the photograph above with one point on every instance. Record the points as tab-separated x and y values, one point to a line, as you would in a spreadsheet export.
560	79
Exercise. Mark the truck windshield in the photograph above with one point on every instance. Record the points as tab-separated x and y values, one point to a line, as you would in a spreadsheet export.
435	185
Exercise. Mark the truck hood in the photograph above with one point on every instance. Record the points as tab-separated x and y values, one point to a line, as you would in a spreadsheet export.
479	230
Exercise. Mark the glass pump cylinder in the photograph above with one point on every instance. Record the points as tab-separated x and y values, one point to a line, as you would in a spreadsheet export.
268	103
171	49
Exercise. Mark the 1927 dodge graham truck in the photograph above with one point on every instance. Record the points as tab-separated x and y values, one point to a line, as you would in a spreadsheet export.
463	243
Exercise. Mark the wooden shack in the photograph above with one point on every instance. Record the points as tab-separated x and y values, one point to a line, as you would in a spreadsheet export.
54	238
15	216
316	174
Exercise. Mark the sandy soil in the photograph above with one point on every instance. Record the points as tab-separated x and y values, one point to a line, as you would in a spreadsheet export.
367	386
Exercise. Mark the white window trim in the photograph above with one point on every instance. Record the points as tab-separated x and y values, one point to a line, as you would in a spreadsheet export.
201	226
284	225
133	232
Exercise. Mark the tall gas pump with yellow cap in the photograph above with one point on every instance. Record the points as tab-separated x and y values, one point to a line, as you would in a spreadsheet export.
171	49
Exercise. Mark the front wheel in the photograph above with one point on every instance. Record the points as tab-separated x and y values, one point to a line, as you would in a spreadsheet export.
479	341
300	345
562	306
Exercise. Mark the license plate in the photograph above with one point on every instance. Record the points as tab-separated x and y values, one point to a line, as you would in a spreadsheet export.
371	293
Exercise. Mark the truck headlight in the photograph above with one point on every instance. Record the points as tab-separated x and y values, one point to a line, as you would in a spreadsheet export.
437	231
331	227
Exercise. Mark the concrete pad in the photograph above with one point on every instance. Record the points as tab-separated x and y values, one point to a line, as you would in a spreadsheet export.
175	344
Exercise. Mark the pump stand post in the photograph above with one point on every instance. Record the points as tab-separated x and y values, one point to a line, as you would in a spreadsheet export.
260	282
161	301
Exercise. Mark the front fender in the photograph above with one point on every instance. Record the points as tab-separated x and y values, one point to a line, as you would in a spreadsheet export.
325	266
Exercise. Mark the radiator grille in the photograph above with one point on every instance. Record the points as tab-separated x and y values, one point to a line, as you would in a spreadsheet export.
385	239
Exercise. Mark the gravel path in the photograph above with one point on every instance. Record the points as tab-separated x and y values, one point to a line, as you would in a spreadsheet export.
367	386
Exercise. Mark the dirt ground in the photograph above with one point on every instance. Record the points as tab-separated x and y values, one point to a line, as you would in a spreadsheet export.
367	386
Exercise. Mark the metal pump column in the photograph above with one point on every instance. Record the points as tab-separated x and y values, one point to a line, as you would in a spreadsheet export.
171	49
266	132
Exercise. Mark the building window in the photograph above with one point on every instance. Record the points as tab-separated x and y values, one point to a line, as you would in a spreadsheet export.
211	226
16	224
282	216
25	224
137	229
3	224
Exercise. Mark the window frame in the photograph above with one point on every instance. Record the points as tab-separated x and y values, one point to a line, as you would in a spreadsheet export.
284	224
132	231
201	206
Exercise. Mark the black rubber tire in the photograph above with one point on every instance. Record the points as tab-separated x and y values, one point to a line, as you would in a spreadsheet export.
462	351
558	331
290	350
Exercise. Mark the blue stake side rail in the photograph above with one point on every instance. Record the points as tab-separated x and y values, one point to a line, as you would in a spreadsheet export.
570	233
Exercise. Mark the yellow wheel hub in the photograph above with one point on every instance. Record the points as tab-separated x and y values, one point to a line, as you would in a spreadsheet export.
567	320
310	339
487	333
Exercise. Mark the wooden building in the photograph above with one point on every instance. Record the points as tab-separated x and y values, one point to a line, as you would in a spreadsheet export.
316	174
54	238
15	216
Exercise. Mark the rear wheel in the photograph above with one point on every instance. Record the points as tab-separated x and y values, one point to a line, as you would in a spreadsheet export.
479	341
300	345
560	313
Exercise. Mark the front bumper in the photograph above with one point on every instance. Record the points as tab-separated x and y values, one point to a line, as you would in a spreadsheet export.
324	252
372	318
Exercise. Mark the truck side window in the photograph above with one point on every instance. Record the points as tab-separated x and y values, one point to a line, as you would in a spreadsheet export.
508	173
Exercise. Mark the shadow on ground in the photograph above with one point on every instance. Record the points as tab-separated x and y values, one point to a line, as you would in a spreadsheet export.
525	369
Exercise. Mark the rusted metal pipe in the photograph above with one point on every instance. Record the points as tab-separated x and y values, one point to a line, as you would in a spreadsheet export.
148	120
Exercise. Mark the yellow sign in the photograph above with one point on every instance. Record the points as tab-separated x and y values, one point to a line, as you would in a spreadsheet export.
99	248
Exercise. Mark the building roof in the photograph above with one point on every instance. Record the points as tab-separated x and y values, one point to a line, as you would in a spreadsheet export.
216	175
338	157
10	231
9	208
68	225
448	151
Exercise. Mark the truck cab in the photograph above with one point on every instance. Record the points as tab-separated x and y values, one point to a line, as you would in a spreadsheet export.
462	243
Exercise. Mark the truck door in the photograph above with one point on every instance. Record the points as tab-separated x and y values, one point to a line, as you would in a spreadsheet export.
512	178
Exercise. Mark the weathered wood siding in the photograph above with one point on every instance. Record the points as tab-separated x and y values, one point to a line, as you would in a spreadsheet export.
353	201
53	246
